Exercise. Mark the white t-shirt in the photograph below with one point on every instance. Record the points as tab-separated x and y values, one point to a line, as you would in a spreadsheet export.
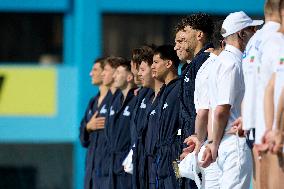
201	96
251	60
265	69
279	81
226	82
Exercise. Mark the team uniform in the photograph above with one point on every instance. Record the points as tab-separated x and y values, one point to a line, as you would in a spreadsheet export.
255	82
138	126
119	140
101	169
92	140
168	131
202	101
226	86
187	111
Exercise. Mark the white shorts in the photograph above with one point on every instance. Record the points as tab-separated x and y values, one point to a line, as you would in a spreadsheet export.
211	176
235	162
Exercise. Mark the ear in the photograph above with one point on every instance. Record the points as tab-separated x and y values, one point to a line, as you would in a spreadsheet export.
200	35
241	34
169	64
129	77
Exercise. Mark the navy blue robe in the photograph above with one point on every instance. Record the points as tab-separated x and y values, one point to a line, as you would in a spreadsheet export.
101	173
91	140
186	94
150	137
119	140
168	146
138	126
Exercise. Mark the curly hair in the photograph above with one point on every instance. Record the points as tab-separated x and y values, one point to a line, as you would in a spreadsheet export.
216	36
199	21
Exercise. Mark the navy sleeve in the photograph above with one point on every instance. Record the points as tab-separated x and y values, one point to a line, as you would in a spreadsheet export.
84	135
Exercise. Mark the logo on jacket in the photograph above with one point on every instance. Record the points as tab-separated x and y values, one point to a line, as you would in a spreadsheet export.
186	79
126	112
153	112
165	105
103	110
111	111
143	105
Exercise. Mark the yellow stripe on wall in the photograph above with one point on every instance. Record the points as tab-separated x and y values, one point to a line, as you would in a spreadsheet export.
28	91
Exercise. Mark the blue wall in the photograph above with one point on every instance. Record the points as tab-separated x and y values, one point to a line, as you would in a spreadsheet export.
82	43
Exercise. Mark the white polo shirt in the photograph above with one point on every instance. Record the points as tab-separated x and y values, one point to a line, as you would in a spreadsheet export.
201	96
279	81
226	82
268	62
250	63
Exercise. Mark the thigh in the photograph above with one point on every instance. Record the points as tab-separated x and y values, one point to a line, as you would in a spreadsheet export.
236	164
212	176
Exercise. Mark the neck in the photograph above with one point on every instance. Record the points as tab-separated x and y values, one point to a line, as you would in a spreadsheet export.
158	85
198	48
171	76
217	51
103	90
236	44
112	89
126	90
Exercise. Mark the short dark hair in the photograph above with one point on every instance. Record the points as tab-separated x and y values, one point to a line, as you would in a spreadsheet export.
101	61
139	54
125	63
148	53
198	21
217	38
167	52
114	61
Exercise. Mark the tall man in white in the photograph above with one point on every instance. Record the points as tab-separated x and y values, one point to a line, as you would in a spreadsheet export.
226	91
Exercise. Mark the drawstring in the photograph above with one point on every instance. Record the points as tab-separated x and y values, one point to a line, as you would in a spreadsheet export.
238	151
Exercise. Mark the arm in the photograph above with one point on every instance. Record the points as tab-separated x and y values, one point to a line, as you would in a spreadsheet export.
278	135
221	117
201	122
269	103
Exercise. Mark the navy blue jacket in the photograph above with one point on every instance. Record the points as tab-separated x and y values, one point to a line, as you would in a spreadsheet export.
92	140
167	148
118	135
138	126
186	93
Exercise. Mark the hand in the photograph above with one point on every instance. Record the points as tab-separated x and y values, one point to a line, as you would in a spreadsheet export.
95	123
193	144
237	127
206	158
276	143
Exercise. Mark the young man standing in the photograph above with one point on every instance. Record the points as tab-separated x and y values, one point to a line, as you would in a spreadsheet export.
101	175
193	35
93	121
226	93
118	126
165	68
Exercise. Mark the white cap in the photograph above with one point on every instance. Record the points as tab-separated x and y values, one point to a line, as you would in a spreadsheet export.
189	168
237	21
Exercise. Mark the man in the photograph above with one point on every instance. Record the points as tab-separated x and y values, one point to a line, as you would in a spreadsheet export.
118	126
226	93
164	67
93	121
139	115
258	62
101	171
146	161
193	35
203	128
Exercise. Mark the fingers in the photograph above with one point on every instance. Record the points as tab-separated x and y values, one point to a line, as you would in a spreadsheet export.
206	158
95	114
183	155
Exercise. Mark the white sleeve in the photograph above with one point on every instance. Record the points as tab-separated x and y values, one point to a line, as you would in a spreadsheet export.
228	84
